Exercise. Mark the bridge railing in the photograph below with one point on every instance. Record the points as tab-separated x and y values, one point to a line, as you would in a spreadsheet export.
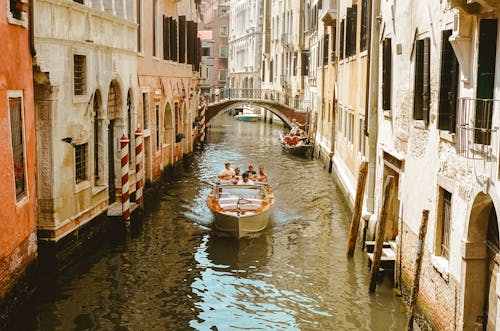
218	95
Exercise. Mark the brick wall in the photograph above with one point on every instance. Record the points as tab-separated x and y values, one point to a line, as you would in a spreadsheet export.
439	293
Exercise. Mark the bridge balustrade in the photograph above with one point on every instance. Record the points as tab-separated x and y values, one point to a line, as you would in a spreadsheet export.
217	95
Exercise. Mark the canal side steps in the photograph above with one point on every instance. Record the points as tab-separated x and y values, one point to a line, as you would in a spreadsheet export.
388	257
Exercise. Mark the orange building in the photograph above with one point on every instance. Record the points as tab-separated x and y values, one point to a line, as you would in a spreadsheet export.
18	244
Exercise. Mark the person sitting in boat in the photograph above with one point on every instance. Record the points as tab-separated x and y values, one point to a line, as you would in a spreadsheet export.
227	173
251	172
245	180
237	176
261	175
294	126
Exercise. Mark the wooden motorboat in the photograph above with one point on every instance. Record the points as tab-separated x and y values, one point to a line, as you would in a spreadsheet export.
247	115
241	209
296	146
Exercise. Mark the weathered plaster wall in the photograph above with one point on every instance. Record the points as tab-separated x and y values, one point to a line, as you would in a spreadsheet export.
108	42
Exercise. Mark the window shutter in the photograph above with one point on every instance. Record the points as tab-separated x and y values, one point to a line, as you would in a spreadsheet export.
354	20
342	38
166	38
304	69
363	43
448	86
348	28
173	39
387	74
182	39
418	88
198	52
190	42
426	93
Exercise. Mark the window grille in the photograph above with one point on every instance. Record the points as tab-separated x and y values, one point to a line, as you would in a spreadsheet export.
79	68
81	163
16	127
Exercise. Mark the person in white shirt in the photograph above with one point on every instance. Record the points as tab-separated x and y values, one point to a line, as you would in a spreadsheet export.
245	180
227	173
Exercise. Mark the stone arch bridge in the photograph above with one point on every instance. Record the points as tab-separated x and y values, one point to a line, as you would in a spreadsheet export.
280	104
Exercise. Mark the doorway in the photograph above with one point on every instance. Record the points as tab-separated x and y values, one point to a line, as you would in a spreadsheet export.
111	162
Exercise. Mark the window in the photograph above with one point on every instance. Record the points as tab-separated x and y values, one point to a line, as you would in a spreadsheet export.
342	38
97	136
145	110
78	1
223	30
177	118
139	25
157	126
155	28
182	39
206	51
17	12
361	137
363	43
387	74
443	224
222	75
166	37
326	41
80	74
81	163
223	51
173	39
334	42
448	89
17	139
350	33
421	97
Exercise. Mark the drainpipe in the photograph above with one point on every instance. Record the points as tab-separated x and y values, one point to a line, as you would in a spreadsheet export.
31	28
336	104
372	109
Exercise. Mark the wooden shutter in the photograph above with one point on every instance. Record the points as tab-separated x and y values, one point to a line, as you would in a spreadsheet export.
342	38
354	25
304	68
448	89
182	39
166	38
387	74
198	52
426	92
418	88
173	39
363	43
348	28
190	42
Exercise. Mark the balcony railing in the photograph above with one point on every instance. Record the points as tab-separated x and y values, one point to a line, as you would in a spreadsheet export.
475	130
215	95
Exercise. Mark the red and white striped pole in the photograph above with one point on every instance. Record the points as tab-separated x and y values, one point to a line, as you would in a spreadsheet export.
202	122
124	141
138	168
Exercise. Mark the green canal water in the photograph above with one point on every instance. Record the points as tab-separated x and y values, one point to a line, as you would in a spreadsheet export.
177	273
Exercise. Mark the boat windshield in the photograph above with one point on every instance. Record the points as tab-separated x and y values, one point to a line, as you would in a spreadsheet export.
244	192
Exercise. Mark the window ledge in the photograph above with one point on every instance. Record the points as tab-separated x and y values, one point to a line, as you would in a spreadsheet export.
419	124
447	135
387	114
83	98
98	189
82	186
441	265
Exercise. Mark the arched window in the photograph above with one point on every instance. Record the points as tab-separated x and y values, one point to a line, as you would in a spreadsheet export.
167	125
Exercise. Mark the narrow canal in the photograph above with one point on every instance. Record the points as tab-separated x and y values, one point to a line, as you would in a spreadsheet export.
177	273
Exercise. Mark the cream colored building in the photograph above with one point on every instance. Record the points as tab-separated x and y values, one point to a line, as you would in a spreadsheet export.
85	83
245	43
438	136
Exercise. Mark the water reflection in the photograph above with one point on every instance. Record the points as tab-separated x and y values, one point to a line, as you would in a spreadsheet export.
176	273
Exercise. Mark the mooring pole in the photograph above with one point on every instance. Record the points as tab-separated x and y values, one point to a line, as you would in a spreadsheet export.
358	207
379	240
418	267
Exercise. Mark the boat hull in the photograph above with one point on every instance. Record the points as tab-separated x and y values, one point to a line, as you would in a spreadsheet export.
241	226
247	118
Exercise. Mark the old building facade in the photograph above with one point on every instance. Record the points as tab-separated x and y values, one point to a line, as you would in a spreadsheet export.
18	242
167	69
245	44
85	86
438	119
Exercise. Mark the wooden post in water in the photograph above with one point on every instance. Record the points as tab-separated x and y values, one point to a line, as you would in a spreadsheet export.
379	240
358	208
418	267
